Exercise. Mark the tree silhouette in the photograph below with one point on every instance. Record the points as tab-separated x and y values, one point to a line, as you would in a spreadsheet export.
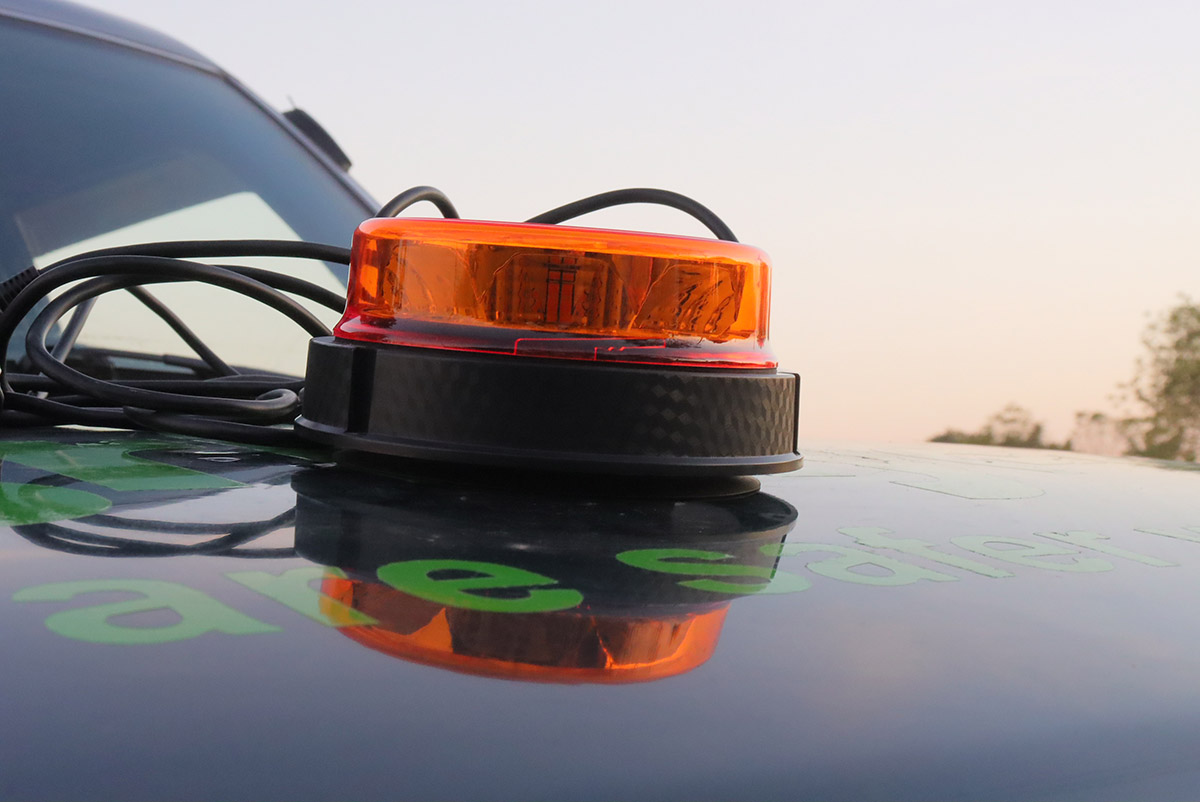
1167	387
1165	395
1012	426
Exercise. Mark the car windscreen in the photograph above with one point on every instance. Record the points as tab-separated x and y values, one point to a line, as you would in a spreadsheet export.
102	145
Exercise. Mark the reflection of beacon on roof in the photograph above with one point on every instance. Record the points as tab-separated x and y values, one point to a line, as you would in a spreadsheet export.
543	587
554	347
568	646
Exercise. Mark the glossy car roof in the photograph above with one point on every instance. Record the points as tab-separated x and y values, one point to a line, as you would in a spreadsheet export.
100	25
940	622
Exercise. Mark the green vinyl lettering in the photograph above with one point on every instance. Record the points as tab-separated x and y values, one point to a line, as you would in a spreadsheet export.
38	504
877	538
109	465
294	589
1028	552
197	613
972	486
1185	534
416	578
697	562
842	567
1097	542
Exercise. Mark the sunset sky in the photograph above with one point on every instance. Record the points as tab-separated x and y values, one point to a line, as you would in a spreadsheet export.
966	206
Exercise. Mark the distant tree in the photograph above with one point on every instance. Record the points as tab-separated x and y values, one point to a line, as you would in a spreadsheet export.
1166	388
1013	426
1164	397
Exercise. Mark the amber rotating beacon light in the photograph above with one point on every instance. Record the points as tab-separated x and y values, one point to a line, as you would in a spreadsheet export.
554	348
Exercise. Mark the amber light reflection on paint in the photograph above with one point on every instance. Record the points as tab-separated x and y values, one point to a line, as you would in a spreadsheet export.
558	291
561	647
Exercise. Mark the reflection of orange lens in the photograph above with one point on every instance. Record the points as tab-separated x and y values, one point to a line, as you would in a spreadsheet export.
563	647
558	291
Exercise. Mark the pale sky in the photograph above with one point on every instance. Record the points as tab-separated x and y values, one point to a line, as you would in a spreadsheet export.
966	205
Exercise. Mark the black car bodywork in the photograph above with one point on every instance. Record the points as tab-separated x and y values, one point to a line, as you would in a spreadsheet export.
188	619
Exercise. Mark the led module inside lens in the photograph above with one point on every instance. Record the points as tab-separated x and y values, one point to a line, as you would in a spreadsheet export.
553	291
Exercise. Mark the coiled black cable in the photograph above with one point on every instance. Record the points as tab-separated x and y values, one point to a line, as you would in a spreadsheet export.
232	406
219	401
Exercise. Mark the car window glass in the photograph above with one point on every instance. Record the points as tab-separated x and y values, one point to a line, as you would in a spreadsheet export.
102	146
249	334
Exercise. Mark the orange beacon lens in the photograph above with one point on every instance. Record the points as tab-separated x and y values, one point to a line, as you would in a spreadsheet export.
573	293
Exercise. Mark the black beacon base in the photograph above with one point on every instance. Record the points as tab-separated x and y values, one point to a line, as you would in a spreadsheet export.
549	414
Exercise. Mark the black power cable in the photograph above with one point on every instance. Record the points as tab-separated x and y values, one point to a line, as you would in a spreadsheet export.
620	197
218	401
228	406
415	195
594	203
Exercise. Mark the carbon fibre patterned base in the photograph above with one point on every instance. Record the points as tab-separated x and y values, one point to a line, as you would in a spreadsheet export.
549	413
